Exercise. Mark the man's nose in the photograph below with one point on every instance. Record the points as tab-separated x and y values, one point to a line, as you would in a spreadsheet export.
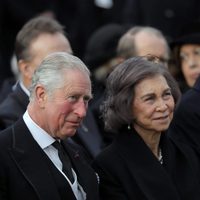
81	109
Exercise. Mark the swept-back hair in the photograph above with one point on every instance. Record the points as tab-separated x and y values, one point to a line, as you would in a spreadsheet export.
50	74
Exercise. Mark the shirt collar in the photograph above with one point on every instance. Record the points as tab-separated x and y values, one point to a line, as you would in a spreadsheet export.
24	88
40	135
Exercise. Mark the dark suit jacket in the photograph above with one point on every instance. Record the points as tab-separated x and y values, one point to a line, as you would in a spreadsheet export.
89	136
7	87
24	174
14	106
185	125
128	170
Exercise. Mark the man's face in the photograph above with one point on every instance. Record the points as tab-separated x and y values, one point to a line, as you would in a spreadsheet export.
42	46
63	111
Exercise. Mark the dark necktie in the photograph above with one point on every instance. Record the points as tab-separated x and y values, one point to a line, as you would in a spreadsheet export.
66	164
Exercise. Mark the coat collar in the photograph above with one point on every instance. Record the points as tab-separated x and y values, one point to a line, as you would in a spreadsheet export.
144	167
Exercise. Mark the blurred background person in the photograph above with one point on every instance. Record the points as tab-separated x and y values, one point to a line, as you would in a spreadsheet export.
142	162
186	56
141	41
37	38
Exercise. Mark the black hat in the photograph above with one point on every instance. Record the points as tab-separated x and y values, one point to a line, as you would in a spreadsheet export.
189	34
102	45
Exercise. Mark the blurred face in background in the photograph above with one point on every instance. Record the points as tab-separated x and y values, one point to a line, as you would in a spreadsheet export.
40	47
150	44
190	62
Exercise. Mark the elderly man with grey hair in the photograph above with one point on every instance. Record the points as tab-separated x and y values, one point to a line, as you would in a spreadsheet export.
36	162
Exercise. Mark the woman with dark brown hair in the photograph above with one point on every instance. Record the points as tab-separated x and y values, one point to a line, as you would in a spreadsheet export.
142	162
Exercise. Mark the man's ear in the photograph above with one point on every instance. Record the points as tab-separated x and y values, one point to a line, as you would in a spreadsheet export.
25	69
41	95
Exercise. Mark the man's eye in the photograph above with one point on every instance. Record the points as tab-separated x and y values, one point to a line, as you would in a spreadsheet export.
86	99
73	98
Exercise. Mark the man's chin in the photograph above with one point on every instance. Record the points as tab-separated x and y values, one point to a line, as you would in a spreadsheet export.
69	133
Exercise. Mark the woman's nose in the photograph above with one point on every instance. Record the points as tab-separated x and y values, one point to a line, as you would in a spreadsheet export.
161	106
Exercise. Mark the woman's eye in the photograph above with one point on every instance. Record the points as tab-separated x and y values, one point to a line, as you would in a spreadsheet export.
183	57
149	99
168	94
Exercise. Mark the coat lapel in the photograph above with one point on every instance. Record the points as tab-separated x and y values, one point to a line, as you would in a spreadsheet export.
146	170
29	158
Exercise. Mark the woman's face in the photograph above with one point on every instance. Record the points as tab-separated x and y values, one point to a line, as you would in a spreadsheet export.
190	62
153	105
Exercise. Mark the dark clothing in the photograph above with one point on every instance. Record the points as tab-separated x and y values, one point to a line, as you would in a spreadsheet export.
129	170
14	106
89	136
185	125
169	16
26	172
7	87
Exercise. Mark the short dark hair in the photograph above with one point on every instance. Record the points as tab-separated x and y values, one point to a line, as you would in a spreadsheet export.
120	86
31	30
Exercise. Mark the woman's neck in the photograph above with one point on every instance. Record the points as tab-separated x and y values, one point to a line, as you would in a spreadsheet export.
151	139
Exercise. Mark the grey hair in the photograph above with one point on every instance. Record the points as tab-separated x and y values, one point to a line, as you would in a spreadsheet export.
120	88
50	72
126	46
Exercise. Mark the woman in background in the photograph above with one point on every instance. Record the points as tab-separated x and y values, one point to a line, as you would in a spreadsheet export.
186	56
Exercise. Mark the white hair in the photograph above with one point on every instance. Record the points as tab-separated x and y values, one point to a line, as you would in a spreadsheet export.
50	72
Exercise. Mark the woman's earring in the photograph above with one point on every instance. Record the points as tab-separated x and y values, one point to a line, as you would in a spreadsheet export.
129	127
